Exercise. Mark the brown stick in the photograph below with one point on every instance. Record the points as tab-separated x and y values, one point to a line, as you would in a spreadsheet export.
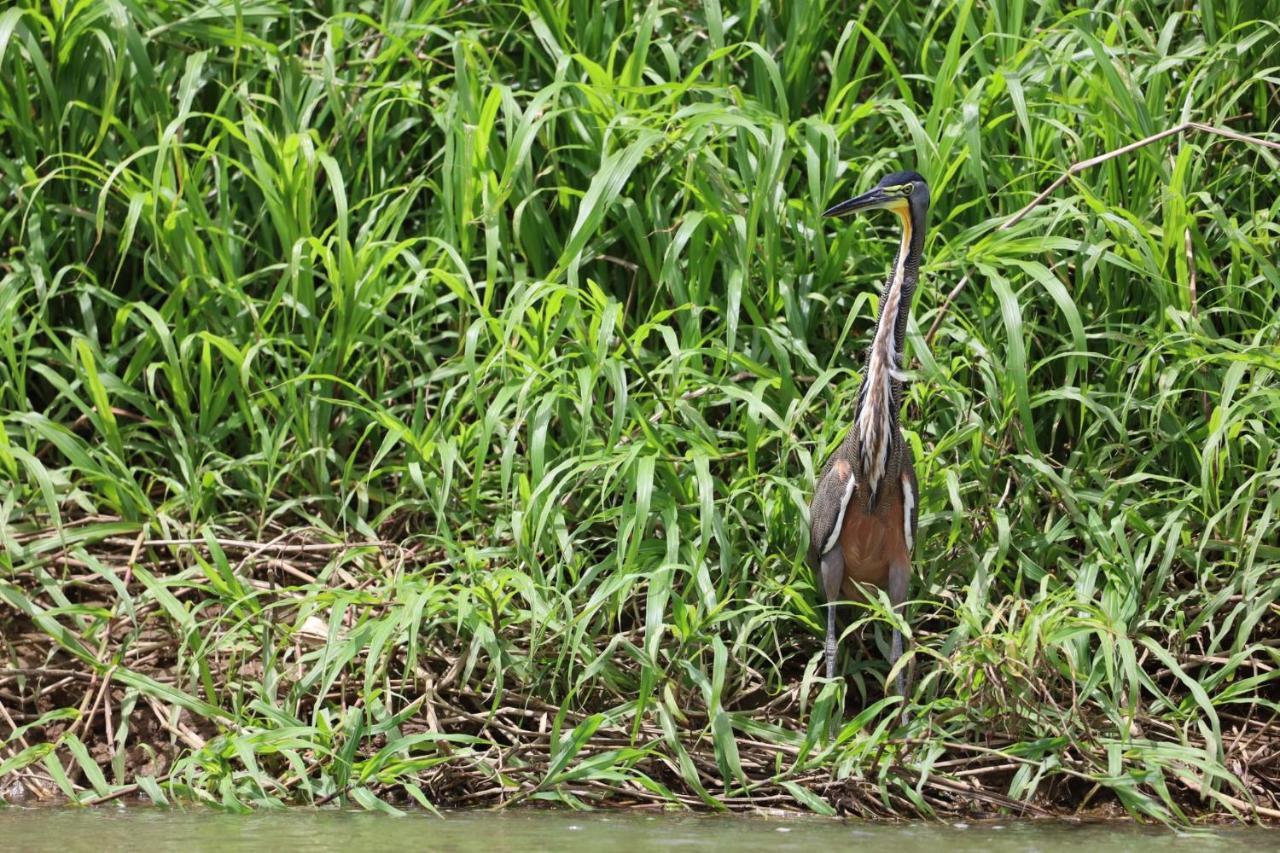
1257	810
133	557
1077	168
241	545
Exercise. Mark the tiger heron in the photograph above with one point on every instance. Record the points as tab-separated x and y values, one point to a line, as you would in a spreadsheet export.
862	520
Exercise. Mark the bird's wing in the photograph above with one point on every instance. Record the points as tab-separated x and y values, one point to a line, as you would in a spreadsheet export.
910	509
910	498
831	498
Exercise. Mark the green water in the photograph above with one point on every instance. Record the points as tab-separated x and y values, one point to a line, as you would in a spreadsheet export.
146	829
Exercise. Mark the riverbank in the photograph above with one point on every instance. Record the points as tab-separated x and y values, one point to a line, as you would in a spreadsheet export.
303	671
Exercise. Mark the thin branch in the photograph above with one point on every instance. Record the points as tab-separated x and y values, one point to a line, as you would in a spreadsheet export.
1258	811
1083	165
259	547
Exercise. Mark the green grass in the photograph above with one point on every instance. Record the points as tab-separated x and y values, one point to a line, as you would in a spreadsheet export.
535	301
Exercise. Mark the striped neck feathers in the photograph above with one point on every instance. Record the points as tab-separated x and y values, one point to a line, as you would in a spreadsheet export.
876	416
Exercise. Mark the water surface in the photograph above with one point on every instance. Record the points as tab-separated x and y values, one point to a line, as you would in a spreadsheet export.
142	828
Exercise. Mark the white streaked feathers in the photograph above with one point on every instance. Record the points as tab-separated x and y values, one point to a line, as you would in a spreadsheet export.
875	417
844	506
908	505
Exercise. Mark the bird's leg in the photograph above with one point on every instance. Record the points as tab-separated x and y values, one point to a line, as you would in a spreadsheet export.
831	640
832	577
899	573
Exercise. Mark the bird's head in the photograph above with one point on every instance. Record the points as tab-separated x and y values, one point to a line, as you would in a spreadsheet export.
905	193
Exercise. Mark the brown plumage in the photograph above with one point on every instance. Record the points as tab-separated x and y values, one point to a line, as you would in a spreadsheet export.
862	520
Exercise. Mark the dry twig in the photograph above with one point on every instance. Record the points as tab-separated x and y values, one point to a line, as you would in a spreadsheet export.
1085	165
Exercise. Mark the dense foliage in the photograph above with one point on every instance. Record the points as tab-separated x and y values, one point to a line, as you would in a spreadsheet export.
420	401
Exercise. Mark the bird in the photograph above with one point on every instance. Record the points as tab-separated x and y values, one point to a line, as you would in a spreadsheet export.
865	506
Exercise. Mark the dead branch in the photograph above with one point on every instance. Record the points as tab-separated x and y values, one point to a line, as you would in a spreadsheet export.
1082	166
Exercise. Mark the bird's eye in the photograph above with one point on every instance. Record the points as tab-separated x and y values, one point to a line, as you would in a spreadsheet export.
907	189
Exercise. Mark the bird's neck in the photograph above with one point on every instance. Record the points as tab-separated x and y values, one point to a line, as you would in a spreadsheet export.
878	400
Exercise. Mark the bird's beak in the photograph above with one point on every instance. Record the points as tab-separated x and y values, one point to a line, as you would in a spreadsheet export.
873	199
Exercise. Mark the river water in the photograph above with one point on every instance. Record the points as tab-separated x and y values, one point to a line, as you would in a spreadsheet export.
148	829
